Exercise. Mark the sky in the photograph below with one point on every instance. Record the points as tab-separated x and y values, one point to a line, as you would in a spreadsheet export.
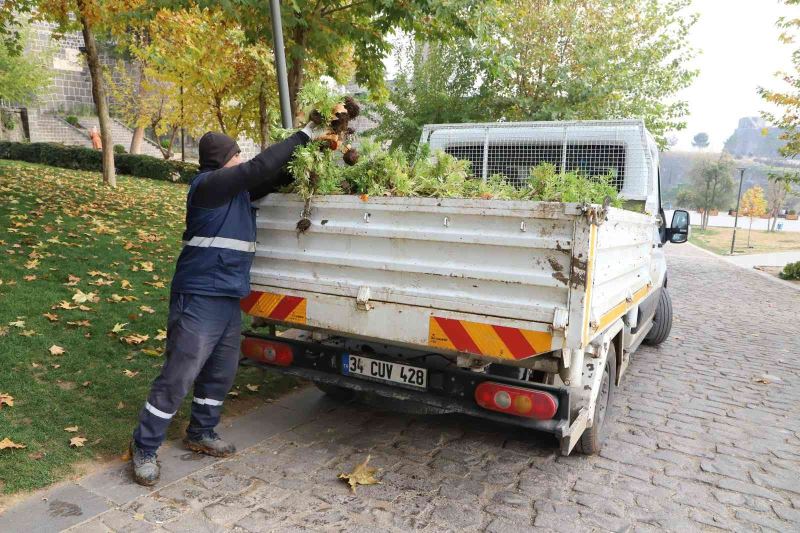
738	52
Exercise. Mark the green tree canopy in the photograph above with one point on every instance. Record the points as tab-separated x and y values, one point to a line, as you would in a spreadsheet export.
552	60
710	187
700	140
22	76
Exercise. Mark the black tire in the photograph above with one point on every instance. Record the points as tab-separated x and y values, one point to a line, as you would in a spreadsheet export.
593	438
662	320
334	391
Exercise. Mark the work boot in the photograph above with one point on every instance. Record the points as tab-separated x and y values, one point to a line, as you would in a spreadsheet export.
210	444
146	470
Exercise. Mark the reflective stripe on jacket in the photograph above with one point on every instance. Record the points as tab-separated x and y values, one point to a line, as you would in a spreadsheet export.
219	246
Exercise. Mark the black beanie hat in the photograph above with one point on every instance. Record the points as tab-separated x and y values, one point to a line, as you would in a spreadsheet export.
216	149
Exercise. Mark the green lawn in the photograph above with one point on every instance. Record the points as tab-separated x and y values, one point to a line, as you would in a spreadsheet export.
63	235
718	240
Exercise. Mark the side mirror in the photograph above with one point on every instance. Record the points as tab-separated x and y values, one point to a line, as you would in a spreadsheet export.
679	229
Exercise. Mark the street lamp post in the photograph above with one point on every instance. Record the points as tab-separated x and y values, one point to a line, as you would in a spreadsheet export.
280	63
738	199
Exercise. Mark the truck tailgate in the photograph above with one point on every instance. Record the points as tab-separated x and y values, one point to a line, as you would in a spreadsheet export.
416	259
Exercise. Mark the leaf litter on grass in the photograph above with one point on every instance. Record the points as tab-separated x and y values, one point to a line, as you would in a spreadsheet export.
81	232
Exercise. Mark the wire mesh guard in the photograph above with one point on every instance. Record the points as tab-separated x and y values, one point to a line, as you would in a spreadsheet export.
617	149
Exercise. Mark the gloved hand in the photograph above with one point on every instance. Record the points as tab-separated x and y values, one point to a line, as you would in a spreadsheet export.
314	130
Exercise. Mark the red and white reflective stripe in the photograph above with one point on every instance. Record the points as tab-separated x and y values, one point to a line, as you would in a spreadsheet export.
206	401
221	242
159	413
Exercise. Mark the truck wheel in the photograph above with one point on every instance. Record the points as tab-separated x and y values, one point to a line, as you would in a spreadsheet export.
337	393
662	320
592	439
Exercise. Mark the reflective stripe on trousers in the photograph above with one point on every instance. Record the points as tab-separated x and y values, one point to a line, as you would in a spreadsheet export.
203	336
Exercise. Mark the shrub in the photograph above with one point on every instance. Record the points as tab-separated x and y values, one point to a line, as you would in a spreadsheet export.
80	158
791	271
119	149
73	120
7	118
165	143
792	212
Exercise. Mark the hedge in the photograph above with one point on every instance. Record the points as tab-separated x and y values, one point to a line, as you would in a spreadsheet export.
80	158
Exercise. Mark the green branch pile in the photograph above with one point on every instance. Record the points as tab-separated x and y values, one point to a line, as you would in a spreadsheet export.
379	172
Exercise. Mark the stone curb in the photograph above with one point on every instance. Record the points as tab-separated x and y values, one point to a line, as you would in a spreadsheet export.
68	505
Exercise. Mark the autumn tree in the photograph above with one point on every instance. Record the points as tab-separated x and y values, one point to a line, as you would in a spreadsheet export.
88	17
788	99
778	188
753	205
325	35
228	83
710	186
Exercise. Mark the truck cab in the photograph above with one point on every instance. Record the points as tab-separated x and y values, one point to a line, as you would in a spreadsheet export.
521	312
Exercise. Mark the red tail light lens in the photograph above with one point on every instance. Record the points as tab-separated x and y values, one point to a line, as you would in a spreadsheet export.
516	400
270	352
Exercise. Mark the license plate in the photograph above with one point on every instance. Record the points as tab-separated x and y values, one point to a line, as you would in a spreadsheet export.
364	367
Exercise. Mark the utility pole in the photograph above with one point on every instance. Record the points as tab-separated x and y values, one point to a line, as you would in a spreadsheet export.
738	199
280	63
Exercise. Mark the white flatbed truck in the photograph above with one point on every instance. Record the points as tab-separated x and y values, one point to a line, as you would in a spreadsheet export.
516	311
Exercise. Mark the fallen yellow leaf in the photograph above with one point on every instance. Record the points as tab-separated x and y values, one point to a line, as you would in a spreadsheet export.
135	338
125	284
7	399
66	305
151	352
52	317
56	350
161	335
33	263
130	373
361	475
71	429
252	388
31	277
147	266
7	443
17	323
27	333
147	309
81	297
118	327
77	442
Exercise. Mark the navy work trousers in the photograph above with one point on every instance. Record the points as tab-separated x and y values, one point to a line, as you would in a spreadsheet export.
203	336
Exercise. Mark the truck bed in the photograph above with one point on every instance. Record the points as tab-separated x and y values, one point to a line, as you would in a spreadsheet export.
504	280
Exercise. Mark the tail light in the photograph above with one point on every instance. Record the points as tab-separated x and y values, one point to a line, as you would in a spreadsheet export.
270	352
516	401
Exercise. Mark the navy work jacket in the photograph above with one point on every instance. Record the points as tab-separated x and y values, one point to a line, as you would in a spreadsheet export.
218	247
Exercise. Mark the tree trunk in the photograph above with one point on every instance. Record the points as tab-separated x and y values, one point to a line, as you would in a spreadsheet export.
263	117
136	140
99	96
748	232
295	73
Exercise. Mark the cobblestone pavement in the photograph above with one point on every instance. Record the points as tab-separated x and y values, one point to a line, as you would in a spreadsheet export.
696	443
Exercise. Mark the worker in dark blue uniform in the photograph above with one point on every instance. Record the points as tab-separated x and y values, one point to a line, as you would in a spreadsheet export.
211	276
